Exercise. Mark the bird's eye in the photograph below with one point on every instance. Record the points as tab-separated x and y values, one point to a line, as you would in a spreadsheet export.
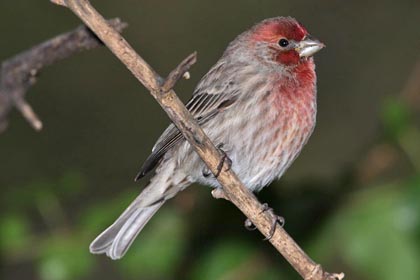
283	43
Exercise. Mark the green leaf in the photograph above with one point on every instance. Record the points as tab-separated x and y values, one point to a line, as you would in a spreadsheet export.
395	117
410	211
369	237
222	259
64	258
14	233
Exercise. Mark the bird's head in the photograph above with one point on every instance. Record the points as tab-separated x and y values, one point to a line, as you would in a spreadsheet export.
283	41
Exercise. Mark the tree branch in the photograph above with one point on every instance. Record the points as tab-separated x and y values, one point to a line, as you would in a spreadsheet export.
164	94
19	73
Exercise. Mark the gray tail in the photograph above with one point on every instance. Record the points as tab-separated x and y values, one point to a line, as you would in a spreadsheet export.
117	238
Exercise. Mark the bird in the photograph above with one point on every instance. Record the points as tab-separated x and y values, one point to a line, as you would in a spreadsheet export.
257	104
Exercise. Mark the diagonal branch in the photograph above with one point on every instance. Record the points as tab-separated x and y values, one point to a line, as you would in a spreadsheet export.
19	73
166	97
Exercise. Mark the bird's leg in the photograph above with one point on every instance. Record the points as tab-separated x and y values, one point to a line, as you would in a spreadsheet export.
276	220
224	159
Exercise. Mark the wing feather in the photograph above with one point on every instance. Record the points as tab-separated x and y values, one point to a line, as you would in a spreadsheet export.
203	105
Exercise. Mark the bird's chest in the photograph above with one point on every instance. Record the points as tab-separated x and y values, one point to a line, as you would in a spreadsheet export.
279	126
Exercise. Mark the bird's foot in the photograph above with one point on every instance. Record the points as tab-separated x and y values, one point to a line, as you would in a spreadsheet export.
276	220
224	159
206	171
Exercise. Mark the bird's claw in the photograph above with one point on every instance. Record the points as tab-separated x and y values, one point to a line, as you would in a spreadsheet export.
206	171
249	225
276	220
224	159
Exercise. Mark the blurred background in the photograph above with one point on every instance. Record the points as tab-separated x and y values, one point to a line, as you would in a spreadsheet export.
351	200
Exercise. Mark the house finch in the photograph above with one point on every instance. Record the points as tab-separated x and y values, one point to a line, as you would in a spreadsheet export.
258	103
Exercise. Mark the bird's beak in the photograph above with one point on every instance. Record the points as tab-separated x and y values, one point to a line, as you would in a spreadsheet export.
309	46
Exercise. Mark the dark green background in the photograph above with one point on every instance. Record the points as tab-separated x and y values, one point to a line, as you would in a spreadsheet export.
351	199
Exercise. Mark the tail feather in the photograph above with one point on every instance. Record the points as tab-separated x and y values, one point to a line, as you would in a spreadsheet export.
131	229
118	237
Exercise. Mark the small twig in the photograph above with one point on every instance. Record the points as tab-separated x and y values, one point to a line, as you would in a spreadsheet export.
59	2
27	112
179	72
235	191
19	73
